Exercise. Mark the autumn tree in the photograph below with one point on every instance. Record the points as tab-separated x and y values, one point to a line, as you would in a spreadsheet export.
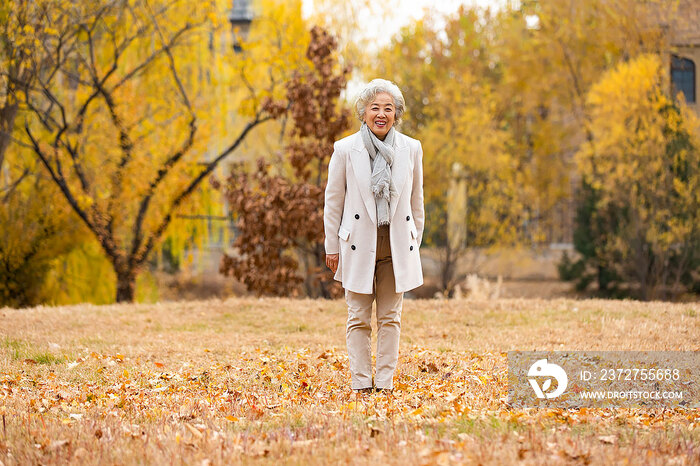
550	54
509	87
643	168
120	116
279	247
471	183
570	44
34	228
472	187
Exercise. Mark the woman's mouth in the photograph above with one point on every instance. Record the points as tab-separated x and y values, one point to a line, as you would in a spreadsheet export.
380	124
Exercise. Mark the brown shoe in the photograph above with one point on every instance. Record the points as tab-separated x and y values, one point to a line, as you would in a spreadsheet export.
384	391
363	390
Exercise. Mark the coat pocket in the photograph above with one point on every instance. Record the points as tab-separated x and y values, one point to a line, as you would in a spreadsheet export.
414	233
343	234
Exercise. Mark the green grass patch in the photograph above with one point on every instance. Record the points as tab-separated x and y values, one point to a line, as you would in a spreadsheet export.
20	350
15	347
47	358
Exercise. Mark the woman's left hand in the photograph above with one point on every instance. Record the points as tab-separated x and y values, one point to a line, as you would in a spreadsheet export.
332	261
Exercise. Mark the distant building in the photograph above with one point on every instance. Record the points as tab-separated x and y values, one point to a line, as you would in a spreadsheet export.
240	16
685	52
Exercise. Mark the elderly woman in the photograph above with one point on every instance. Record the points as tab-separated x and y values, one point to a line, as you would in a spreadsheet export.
373	220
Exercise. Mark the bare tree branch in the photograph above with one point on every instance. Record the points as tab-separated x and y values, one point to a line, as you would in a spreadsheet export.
9	189
174	158
57	177
152	240
141	66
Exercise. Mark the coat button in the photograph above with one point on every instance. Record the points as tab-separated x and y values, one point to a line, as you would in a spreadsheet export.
357	216
353	247
411	248
408	217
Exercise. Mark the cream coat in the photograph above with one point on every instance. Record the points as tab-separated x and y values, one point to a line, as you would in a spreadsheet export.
350	214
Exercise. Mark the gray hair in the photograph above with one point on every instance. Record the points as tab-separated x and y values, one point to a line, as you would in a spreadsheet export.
370	91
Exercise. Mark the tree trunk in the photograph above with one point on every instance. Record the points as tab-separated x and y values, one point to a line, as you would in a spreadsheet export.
324	285
126	285
7	123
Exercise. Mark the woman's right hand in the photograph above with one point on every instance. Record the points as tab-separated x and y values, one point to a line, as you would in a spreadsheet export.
332	261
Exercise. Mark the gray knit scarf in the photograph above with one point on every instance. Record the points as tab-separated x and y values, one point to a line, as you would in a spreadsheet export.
382	186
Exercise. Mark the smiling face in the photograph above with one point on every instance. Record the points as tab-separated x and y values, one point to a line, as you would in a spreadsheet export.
379	114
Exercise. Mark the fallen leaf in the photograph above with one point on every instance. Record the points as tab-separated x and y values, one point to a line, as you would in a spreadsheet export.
352	405
430	367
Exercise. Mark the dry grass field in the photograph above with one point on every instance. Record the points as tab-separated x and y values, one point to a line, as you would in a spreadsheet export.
266	381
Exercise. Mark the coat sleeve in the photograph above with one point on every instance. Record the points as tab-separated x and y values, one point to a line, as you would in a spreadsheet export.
417	193
334	201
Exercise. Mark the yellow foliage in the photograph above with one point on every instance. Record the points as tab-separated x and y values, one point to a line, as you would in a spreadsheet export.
546	72
454	108
83	274
465	130
643	161
122	138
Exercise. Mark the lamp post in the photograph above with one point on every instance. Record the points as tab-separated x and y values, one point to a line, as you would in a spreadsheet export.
240	17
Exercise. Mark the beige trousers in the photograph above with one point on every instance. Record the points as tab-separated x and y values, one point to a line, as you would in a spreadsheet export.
359	329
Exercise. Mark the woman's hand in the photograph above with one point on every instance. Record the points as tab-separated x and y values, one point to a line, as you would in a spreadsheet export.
332	261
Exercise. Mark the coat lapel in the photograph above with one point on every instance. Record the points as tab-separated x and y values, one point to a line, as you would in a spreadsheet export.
363	172
359	159
399	170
